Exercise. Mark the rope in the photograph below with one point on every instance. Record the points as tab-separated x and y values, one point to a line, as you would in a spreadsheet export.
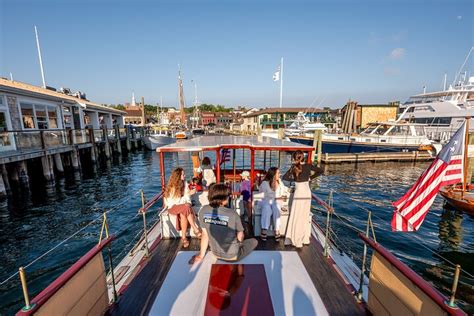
114	208
453	265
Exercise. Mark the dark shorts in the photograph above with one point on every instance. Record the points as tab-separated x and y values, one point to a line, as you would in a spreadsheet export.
245	195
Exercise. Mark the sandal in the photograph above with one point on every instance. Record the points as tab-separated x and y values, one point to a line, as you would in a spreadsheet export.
277	237
185	242
263	236
198	233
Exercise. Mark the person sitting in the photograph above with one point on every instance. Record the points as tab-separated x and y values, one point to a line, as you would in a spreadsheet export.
222	229
272	188
208	176
245	192
178	202
195	184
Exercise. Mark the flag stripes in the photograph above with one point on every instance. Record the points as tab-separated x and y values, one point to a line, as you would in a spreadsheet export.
446	169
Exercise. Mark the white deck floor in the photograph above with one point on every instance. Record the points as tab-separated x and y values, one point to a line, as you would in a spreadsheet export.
184	290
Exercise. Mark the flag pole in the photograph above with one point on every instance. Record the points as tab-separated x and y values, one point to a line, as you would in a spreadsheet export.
281	82
466	149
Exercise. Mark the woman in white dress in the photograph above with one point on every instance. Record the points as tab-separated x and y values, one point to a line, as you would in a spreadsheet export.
273	189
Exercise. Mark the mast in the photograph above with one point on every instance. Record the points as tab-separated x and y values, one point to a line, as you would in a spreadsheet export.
181	97
281	82
196	104
466	149
39	56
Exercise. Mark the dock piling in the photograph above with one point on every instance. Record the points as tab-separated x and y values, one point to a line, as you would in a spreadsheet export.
58	163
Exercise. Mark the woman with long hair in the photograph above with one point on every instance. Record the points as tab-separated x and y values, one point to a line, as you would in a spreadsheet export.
178	202
272	188
299	228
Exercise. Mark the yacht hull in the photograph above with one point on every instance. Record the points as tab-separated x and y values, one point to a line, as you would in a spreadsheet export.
458	200
153	142
337	147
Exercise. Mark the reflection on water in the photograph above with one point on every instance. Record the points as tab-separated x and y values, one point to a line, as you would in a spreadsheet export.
35	222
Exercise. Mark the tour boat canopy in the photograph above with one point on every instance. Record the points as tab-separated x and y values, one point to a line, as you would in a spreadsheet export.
247	142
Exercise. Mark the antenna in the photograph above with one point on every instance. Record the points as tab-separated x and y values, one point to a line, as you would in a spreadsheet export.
445	79
40	59
11	76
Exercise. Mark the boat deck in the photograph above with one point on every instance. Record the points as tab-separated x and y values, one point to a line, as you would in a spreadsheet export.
330	289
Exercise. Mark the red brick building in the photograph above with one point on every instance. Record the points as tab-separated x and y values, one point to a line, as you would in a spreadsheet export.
208	118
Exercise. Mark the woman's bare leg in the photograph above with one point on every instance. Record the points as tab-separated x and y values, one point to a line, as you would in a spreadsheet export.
192	222
184	225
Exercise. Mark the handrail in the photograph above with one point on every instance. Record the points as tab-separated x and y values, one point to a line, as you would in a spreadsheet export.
326	206
151	202
57	284
424	286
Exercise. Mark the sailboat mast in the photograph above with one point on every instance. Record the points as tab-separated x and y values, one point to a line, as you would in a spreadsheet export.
181	97
466	149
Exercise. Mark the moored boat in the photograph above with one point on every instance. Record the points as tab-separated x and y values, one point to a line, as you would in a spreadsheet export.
155	277
157	137
377	137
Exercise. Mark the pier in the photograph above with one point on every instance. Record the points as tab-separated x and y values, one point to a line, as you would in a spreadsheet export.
57	150
376	157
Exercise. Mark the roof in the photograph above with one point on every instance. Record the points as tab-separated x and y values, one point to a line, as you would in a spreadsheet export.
133	112
283	110
35	91
204	143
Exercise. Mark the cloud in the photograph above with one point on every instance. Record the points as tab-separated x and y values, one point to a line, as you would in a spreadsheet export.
397	53
391	71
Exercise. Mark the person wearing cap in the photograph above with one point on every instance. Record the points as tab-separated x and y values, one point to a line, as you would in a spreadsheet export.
245	192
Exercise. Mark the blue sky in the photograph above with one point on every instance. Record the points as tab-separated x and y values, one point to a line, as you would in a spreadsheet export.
369	51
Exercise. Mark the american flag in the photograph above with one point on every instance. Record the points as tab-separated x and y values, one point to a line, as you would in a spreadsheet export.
225	155
447	168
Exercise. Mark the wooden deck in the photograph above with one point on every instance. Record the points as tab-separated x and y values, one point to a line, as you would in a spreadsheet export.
139	296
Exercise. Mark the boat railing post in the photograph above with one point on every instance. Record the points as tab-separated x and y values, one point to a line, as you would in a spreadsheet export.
145	232
364	258
328	227
27	306
111	267
455	287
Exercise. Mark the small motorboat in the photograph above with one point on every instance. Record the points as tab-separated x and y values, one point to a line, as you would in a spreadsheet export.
158	138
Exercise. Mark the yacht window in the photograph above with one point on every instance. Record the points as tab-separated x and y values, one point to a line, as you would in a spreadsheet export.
353	139
368	140
400	130
381	129
383	140
340	138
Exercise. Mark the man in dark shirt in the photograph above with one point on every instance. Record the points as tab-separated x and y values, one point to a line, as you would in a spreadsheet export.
222	228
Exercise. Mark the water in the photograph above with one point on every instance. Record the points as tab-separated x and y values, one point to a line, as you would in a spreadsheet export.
33	223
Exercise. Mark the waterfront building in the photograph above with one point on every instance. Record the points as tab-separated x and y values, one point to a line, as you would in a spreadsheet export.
223	119
274	118
135	115
356	117
208	118
25	107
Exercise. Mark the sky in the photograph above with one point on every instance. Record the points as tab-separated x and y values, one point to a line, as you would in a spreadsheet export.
367	51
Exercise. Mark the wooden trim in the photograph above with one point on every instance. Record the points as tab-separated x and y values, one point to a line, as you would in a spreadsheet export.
162	171
423	285
57	284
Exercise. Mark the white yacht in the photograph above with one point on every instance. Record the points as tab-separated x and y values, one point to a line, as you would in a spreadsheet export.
443	111
302	126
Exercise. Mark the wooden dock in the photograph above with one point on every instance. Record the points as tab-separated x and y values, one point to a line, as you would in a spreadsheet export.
376	157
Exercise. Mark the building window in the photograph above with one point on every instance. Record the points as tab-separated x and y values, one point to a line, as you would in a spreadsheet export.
41	117
27	116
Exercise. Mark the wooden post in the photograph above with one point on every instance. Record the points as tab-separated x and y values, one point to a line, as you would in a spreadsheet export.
58	163
320	145
75	159
23	173
143	113
3	187
281	133
127	139
470	160
45	162
5	178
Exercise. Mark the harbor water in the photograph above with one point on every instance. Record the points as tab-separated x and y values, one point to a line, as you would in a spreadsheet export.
34	222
